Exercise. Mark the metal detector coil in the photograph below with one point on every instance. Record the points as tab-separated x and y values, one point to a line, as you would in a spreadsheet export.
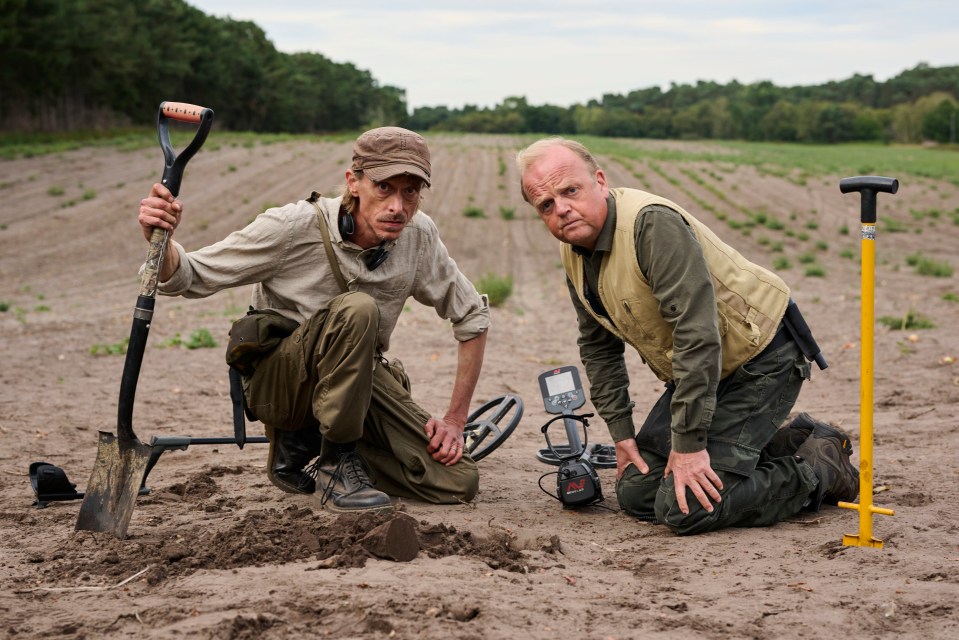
483	434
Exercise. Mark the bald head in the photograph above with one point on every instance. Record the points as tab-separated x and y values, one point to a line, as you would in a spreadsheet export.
535	152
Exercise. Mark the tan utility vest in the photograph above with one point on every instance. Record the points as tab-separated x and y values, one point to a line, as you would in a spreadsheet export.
750	300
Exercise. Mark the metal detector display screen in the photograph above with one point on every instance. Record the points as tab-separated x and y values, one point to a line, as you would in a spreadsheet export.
561	390
562	383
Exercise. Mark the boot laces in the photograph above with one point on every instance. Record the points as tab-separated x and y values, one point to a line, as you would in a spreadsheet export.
354	470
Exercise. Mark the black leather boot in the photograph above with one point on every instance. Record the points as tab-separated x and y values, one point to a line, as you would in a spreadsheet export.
343	478
828	455
792	435
290	452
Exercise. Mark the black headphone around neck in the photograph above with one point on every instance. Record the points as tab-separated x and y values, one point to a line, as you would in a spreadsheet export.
346	224
378	257
347	227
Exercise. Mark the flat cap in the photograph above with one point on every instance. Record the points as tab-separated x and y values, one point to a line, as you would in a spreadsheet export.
391	151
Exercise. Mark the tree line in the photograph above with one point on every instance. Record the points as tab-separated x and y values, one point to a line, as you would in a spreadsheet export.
917	105
78	64
82	64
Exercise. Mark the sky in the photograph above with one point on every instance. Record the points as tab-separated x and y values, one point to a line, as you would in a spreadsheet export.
563	52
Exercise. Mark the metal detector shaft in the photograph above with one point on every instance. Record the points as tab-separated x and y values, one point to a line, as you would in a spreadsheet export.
161	444
572	433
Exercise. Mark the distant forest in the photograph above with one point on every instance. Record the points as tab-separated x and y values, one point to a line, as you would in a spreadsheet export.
73	65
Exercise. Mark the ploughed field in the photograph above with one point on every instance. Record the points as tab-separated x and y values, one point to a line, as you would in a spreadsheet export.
218	552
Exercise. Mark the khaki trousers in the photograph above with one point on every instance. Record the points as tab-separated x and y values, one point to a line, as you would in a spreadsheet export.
327	375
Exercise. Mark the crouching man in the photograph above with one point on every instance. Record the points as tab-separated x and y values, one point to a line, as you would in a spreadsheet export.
327	391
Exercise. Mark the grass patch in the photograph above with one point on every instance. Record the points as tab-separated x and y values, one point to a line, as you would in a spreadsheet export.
807	160
199	339
55	191
815	271
891	225
928	267
507	213
912	320
948	297
472	211
497	288
115	349
781	263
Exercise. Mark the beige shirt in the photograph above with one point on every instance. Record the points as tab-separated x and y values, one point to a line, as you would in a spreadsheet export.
281	253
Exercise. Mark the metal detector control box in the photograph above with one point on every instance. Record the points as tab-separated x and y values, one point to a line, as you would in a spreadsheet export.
562	390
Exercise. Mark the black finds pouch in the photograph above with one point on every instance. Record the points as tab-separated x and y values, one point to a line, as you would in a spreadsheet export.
254	335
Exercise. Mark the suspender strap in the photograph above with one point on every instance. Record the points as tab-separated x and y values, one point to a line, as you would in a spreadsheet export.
325	231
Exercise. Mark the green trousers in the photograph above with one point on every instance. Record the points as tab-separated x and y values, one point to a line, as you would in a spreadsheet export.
758	490
328	375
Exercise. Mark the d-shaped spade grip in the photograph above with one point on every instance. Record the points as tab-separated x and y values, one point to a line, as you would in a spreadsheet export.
868	187
174	164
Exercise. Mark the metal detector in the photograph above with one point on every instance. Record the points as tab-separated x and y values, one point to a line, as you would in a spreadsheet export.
485	431
577	483
562	393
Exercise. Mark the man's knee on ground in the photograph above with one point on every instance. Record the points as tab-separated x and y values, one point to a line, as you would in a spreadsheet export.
636	492
698	520
358	306
451	485
467	481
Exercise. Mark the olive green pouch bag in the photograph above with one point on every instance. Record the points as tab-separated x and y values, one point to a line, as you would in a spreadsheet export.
254	335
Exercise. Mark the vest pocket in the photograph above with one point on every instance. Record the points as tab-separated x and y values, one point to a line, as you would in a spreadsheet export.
723	321
739	336
645	320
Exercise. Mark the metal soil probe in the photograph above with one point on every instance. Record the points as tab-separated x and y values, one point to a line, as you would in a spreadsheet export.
868	187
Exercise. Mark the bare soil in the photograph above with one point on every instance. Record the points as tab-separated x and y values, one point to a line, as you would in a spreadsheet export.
215	551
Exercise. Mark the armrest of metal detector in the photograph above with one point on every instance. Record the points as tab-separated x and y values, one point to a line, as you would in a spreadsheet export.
158	445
